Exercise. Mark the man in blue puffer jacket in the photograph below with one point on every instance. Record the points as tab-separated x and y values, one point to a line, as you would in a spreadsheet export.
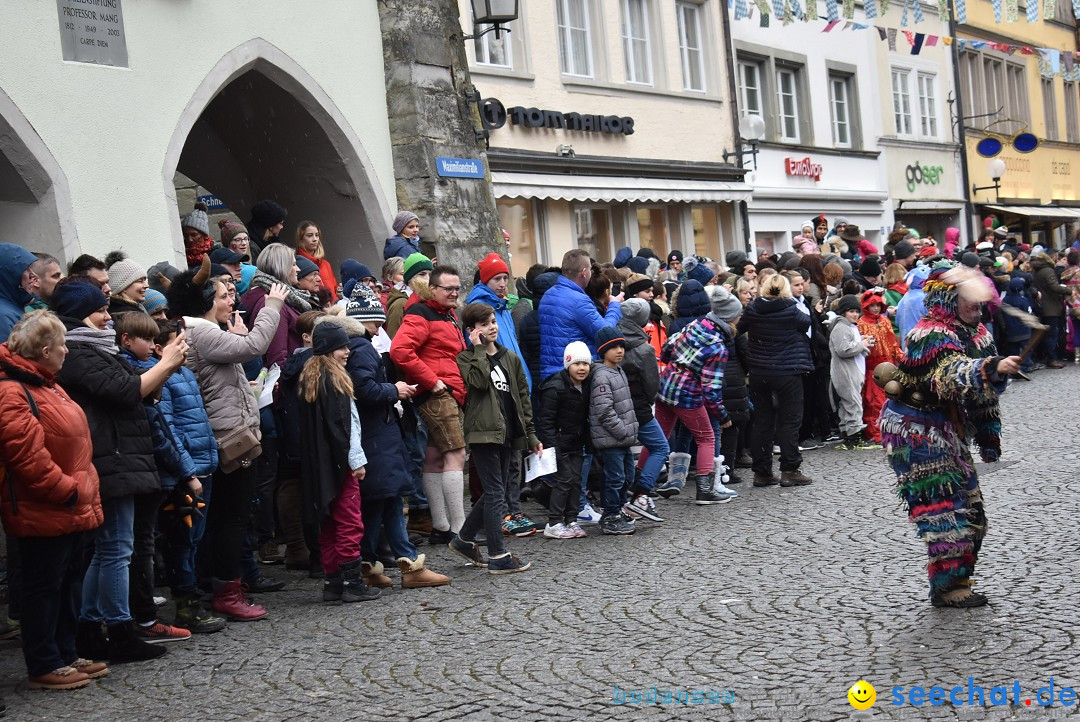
567	314
493	288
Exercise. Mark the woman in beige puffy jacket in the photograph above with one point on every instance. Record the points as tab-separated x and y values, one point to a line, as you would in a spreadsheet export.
219	343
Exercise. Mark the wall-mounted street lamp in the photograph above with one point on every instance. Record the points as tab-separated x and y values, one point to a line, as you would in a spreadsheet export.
751	130
996	169
496	13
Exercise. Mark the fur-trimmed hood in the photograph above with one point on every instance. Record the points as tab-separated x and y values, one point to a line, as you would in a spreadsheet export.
354	328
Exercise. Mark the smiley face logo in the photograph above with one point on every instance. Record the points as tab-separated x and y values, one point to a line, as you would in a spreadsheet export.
862	695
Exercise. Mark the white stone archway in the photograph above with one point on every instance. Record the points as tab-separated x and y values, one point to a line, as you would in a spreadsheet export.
35	202
259	126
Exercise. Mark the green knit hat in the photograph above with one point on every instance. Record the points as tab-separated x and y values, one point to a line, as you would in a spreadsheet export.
416	263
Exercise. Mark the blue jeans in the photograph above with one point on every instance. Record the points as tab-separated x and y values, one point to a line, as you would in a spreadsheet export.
618	467
586	466
652	438
105	586
183	544
415	451
384	516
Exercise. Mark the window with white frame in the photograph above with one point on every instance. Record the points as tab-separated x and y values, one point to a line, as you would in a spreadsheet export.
928	106
691	46
1072	123
1050	119
636	43
787	103
901	101
750	90
840	103
493	51
993	88
915	103
575	37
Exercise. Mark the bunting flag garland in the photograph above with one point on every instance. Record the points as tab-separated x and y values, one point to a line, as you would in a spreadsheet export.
1005	11
1051	61
763	8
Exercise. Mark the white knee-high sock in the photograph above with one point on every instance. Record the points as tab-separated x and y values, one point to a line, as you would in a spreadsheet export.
454	492
433	490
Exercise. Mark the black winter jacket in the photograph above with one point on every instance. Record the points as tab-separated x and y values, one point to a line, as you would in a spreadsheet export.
288	405
736	393
778	343
564	413
109	392
388	467
324	451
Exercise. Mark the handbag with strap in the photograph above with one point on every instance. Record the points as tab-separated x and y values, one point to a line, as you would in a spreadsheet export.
237	448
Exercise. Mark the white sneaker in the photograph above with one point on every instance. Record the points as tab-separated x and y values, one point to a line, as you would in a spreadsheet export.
557	531
577	531
588	515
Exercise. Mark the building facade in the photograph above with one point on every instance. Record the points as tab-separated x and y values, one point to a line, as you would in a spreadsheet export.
923	161
607	122
818	95
1006	91
115	116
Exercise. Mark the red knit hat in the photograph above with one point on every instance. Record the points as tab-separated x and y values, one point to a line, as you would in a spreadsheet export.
869	298
492	266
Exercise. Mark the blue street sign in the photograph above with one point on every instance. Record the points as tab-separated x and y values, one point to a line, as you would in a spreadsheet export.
459	167
213	203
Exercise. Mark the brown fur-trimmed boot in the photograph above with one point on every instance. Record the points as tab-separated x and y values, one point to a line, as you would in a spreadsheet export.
374	577
414	574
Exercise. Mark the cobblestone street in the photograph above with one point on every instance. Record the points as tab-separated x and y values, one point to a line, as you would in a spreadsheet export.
786	597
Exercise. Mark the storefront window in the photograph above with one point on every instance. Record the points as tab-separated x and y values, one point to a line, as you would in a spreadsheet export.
593	229
706	233
516	218
652	230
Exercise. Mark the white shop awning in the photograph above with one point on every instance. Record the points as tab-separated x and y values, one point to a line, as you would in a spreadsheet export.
1044	212
929	207
614	188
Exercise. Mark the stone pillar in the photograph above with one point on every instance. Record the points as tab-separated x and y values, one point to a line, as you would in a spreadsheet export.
427	81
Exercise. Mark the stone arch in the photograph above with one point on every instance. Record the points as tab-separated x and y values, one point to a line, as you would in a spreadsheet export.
35	201
259	126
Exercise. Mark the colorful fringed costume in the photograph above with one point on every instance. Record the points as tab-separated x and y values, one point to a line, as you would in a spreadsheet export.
885	348
950	399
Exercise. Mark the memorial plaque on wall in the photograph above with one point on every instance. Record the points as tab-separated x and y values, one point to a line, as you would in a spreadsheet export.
92	31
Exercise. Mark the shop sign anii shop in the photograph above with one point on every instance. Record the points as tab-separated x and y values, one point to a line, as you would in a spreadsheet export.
805	168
